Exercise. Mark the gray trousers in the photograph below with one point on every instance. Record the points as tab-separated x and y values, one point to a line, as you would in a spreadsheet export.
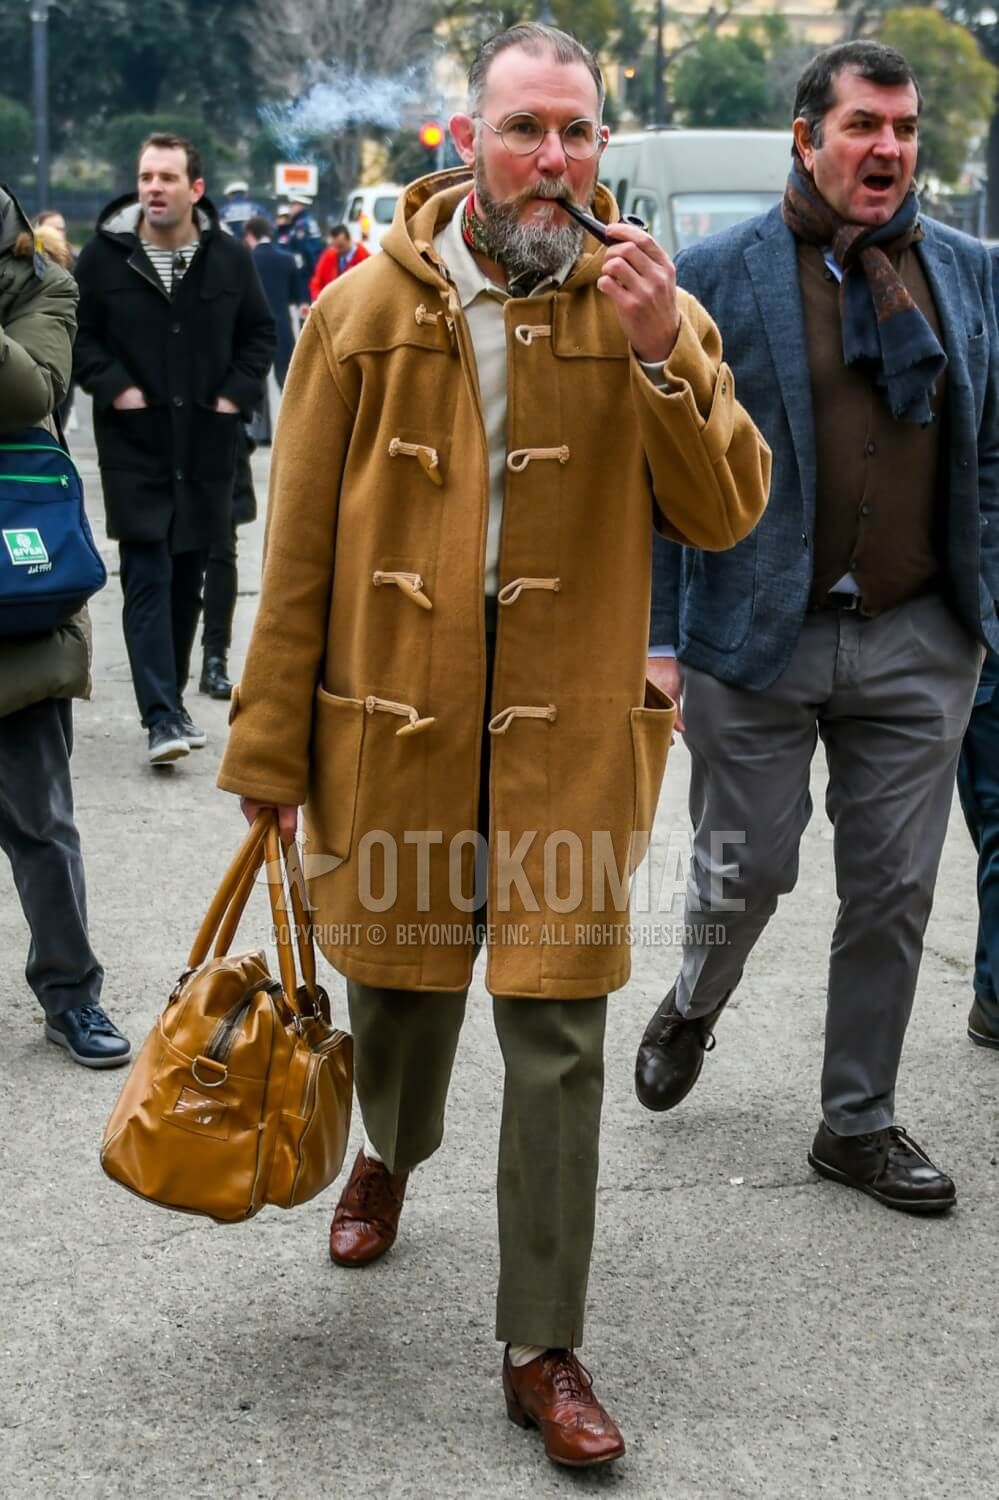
890	698
39	837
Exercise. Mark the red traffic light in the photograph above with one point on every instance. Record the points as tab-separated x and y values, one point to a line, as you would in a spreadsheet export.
431	134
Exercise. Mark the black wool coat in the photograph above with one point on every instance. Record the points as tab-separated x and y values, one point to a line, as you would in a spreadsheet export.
167	471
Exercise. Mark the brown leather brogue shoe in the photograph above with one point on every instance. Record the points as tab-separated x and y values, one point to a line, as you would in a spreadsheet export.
554	1392
366	1220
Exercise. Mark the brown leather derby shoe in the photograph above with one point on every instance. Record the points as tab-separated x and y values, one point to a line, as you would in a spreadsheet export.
554	1392
366	1220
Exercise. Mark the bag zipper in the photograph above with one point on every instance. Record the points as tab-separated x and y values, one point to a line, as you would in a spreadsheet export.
37	479
35	448
222	1038
319	1051
40	448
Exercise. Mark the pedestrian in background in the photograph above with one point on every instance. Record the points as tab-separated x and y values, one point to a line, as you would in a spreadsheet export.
863	340
340	256
237	208
280	279
299	234
41	675
222	574
50	225
978	787
175	342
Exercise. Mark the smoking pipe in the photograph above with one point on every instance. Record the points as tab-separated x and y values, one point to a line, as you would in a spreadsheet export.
596	226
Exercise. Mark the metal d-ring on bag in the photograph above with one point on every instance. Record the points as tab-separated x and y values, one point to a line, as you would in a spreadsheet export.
241	1094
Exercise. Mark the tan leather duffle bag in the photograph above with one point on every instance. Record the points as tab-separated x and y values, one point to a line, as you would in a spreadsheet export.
241	1094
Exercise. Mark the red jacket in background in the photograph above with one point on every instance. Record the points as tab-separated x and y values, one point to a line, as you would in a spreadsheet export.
328	267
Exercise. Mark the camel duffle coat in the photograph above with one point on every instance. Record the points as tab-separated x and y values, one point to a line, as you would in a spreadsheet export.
363	693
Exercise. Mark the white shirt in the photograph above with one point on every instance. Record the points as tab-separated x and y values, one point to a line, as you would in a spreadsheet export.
482	303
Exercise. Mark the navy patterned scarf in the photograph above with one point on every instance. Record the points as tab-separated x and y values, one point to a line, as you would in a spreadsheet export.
884	333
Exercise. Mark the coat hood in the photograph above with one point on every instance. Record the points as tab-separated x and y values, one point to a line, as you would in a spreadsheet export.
13	221
19	238
120	219
430	202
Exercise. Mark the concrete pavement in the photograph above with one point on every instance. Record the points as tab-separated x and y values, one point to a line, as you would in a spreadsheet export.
756	1332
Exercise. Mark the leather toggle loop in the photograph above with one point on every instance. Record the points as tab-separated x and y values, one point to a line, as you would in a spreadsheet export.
405	710
410	584
500	723
511	592
518	460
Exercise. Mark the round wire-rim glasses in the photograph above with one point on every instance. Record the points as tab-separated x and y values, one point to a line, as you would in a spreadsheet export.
522	134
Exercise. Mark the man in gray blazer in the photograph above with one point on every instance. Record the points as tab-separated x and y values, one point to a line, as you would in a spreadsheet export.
864	345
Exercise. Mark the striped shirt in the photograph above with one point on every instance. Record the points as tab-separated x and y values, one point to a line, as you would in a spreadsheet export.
170	265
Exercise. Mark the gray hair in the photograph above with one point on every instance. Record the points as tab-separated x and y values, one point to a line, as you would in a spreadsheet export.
538	40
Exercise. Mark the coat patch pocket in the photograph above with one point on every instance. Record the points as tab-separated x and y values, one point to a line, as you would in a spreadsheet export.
136	439
335	761
651	736
213	443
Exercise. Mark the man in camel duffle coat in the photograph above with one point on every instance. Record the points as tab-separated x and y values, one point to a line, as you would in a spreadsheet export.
452	638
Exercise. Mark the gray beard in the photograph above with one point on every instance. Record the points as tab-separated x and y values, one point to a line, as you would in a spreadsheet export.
523	250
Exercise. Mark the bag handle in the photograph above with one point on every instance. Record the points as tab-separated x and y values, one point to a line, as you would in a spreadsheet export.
263	846
303	919
235	885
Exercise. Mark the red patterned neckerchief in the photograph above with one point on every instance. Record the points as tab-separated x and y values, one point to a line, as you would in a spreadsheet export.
473	231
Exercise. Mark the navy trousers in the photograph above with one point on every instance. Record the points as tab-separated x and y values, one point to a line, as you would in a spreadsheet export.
162	592
978	788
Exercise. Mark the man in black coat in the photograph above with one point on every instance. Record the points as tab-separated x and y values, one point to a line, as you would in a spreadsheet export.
174	344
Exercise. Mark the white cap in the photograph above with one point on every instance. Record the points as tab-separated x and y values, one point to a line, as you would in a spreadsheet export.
304	198
282	208
236	187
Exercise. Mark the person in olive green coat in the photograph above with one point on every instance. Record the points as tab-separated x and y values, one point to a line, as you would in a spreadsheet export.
40	675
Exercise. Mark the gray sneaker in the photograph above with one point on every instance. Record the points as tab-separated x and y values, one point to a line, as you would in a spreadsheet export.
195	736
167	742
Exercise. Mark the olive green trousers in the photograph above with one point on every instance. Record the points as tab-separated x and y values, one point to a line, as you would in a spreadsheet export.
404	1047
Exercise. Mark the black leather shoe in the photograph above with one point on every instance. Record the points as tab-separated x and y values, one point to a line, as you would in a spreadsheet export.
886	1165
671	1054
982	1031
89	1036
214	680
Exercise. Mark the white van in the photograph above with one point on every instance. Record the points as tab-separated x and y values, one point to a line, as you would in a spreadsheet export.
370	211
686	184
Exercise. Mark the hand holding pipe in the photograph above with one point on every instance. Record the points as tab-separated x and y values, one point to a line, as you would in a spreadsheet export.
596	226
